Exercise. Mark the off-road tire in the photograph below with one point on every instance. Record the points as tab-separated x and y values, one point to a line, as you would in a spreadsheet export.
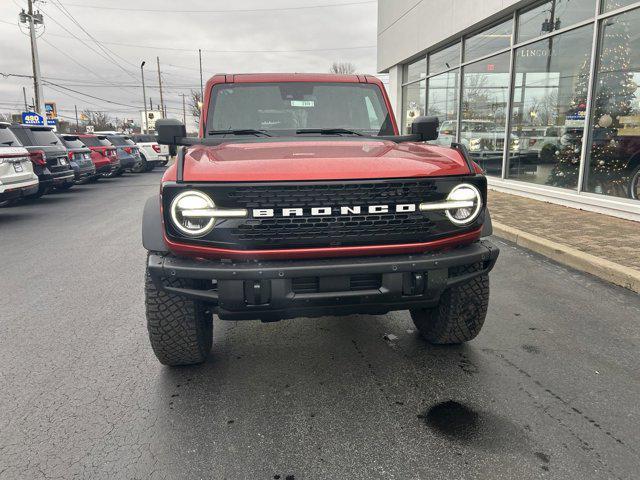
459	316
180	329
150	166
140	167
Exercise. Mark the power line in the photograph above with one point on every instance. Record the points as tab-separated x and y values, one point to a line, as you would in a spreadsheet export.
82	41
175	49
239	10
107	51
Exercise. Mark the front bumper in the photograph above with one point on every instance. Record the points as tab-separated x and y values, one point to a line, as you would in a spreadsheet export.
292	288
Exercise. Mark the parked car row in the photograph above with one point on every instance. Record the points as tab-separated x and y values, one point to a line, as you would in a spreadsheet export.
35	160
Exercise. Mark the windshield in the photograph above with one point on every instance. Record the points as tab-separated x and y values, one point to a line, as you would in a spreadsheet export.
96	142
145	138
8	138
120	141
283	108
40	137
72	142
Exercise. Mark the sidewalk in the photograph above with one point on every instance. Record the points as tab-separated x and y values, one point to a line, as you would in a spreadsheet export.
604	246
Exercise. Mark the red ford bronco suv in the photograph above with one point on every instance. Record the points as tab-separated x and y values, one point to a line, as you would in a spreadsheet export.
299	198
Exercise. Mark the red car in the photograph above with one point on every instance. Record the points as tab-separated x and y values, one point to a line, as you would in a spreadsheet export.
300	198
103	153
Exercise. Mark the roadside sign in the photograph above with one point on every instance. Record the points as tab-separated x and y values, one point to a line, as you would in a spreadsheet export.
90	129
152	116
51	122
51	109
32	118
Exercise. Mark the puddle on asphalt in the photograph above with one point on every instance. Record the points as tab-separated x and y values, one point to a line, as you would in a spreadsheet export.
463	424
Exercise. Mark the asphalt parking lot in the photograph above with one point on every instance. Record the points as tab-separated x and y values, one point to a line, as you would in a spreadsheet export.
549	390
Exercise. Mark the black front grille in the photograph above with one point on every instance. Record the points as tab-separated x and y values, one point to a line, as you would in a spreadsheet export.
308	231
332	194
335	230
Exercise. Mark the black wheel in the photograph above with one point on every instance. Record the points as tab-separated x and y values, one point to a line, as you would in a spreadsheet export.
634	186
65	186
39	193
150	166
180	329
141	166
459	316
8	203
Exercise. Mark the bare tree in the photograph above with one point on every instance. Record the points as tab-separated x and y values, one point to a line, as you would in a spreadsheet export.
5	117
345	68
99	120
195	105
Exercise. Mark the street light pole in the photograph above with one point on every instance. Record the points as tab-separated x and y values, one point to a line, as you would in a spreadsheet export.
144	97
184	109
201	84
162	108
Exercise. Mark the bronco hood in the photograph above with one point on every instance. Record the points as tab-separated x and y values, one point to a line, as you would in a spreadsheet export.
326	159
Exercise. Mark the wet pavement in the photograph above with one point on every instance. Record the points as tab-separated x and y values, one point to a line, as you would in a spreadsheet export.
548	390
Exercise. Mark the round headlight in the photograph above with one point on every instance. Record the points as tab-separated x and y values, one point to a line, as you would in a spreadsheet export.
185	210
470	201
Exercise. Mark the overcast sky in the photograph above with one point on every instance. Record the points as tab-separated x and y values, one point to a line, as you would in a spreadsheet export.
266	36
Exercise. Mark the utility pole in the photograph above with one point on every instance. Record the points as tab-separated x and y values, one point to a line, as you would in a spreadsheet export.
144	101
201	83
184	109
164	113
24	94
33	20
77	122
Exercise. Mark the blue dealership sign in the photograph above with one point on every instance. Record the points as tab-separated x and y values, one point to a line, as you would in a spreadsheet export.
32	118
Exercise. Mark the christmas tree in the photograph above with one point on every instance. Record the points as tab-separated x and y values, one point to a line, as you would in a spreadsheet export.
613	96
566	170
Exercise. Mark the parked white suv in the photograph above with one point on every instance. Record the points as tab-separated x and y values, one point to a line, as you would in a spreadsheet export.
16	171
152	153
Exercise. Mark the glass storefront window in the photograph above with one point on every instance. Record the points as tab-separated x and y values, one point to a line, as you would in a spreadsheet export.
549	106
485	93
415	71
442	102
614	155
413	98
444	59
489	41
611	5
553	15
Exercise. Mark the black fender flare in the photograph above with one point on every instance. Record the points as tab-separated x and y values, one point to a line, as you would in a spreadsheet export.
487	226
152	228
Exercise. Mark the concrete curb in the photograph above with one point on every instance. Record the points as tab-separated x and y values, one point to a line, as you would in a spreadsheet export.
599	267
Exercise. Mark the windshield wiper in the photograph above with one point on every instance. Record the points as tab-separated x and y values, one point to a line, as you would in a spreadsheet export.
329	131
8	144
246	131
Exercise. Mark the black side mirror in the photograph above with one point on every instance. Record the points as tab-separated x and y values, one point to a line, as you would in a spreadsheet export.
427	128
170	131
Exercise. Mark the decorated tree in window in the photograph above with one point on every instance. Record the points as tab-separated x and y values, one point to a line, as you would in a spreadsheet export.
569	147
614	93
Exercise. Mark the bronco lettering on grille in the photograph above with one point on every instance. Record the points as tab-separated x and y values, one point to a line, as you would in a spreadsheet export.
328	211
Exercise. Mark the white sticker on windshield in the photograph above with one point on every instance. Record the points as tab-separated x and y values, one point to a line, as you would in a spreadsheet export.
303	103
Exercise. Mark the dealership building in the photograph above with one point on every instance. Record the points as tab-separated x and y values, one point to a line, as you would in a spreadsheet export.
544	95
